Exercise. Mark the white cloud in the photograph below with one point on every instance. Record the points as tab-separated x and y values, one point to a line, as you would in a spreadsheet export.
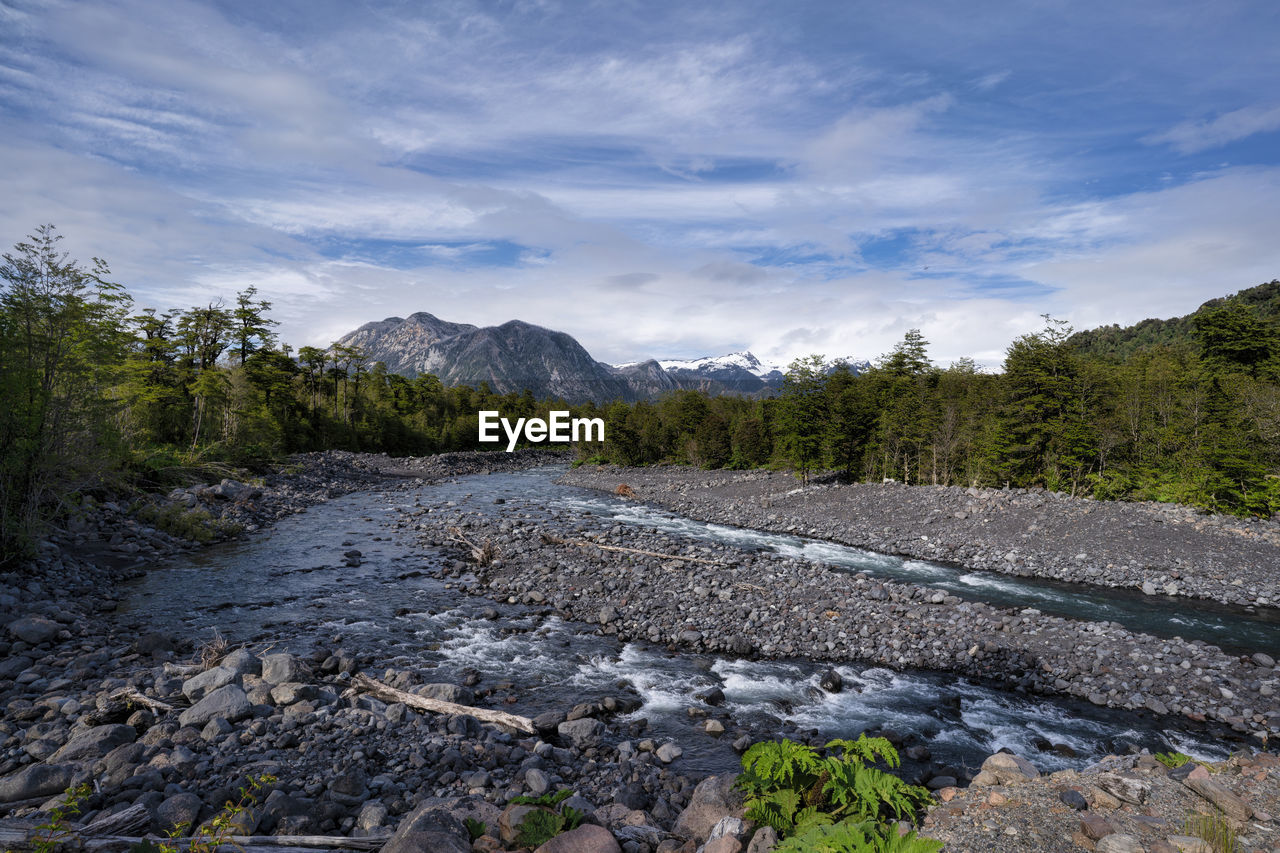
1190	137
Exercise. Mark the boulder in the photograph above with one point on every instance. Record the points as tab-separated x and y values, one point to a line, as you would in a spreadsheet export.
1004	768
202	684
668	753
587	838
763	841
447	693
281	668
1119	843
229	702
581	734
430	828
714	799
34	629
95	742
179	810
36	780
243	662
1125	788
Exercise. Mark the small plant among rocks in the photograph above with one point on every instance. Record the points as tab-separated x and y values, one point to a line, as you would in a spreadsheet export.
1215	829
56	832
550	819
832	803
195	525
1172	760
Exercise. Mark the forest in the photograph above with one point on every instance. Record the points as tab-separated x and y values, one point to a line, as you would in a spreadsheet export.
99	397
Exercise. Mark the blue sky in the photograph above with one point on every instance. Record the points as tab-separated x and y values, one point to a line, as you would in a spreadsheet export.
657	179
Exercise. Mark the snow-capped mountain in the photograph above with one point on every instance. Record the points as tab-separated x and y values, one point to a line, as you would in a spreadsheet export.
743	360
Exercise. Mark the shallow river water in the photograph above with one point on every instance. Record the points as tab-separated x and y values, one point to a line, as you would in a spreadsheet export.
289	585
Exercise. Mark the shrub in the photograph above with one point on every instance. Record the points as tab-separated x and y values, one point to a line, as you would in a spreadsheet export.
828	802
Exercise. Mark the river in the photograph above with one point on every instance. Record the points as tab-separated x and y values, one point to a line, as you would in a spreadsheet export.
290	587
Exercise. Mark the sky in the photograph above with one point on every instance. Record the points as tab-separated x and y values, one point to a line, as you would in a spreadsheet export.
658	179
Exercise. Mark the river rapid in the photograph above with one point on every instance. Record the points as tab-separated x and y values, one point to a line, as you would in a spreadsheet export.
294	586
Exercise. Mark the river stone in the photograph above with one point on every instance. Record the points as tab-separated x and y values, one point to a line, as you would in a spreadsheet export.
1125	788
202	684
372	815
763	841
587	838
229	702
447	693
715	798
1004	768
1119	843
178	810
34	629
1264	660
281	668
831	681
243	662
36	780
668	753
95	742
581	734
429	829
536	782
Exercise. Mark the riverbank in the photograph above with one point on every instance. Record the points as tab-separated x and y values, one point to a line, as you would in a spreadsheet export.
350	764
1164	549
645	585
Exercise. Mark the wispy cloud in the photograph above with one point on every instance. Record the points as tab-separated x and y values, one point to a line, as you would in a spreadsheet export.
658	179
1190	137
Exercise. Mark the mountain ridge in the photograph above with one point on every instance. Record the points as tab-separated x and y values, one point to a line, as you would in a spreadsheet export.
518	355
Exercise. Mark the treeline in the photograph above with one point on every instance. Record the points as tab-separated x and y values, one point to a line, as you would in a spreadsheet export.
1195	420
97	396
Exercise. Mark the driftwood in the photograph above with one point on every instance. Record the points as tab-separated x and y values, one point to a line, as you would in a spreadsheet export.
119	705
548	539
126	822
438	706
482	554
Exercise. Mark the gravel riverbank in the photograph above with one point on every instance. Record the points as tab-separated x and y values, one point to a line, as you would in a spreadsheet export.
163	739
1157	548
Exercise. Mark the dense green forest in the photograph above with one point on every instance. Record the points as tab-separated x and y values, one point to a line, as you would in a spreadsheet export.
1185	410
98	396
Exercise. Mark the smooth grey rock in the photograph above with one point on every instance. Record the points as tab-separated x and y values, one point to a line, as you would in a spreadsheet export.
34	629
668	753
36	780
243	662
1119	843
715	798
1125	788
1005	769
536	782
229	702
95	742
581	734
202	684
448	693
281	668
179	810
429	828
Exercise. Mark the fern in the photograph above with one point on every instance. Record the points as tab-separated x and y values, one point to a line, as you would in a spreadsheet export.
867	750
475	828
539	827
549	799
857	837
793	789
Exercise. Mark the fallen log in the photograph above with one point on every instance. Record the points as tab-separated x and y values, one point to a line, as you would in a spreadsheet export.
438	706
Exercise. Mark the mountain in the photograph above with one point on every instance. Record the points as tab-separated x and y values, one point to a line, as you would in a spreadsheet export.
510	357
1120	342
519	355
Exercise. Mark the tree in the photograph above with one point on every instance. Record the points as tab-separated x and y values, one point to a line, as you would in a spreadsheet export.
63	339
802	416
252	327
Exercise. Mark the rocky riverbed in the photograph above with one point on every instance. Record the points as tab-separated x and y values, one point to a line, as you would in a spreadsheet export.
165	731
1157	548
